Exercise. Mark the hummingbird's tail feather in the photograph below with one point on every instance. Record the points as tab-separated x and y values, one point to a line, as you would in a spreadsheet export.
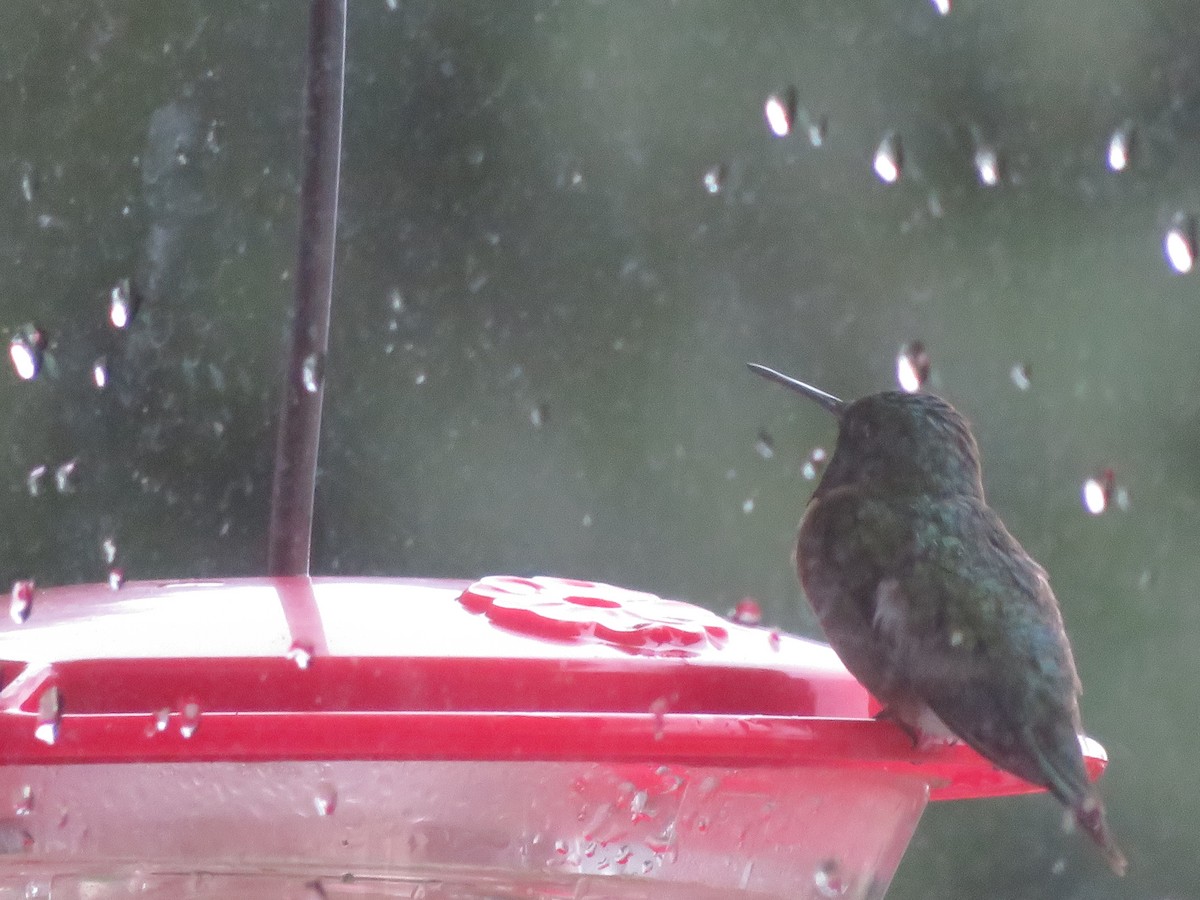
1090	816
1068	782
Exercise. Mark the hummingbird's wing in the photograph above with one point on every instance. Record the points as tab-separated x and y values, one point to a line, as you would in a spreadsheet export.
979	636
973	624
931	602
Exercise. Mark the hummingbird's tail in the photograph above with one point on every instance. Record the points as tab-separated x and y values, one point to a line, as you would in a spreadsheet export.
1089	813
1064	774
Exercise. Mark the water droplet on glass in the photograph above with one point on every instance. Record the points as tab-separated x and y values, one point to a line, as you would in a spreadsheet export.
301	655
817	129
325	800
828	880
21	600
392	5
100	372
1120	148
889	158
23	803
764	445
748	505
162	719
942	7
1058	867
1097	492
637	805
813	465
780	110
1179	244
659	708
912	367
33	481
714	179
538	414
27	183
64	476
189	720
1020	376
420	378
49	716
746	612
109	548
774	640
116	578
121	304
25	350
311	372
987	165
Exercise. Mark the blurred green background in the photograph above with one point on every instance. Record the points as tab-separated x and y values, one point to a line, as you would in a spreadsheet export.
542	314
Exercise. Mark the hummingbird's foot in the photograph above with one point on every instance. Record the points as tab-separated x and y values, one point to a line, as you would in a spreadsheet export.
929	732
887	715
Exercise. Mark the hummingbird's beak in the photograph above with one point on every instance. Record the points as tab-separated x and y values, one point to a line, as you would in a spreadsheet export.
830	402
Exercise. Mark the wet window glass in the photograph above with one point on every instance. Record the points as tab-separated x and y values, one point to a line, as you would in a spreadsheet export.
564	230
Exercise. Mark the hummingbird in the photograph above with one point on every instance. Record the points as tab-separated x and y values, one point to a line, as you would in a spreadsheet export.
930	602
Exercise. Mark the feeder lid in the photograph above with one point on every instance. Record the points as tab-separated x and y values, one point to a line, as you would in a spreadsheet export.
504	668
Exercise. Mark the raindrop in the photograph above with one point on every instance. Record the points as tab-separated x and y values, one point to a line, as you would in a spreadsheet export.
189	721
420	378
780	110
301	655
25	350
912	367
121	304
392	5
817	129
396	300
23	805
64	477
49	716
325	800
161	720
33	481
748	505
1019	374
746	612
1179	244
21	600
637	805
942	7
765	444
774	640
100	372
28	182
659	708
1120	148
1059	866
538	414
714	179
312	372
987	165
889	158
1098	491
813	465
109	547
116	578
828	880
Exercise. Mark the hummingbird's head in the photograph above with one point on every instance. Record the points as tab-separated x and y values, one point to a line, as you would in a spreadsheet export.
897	442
